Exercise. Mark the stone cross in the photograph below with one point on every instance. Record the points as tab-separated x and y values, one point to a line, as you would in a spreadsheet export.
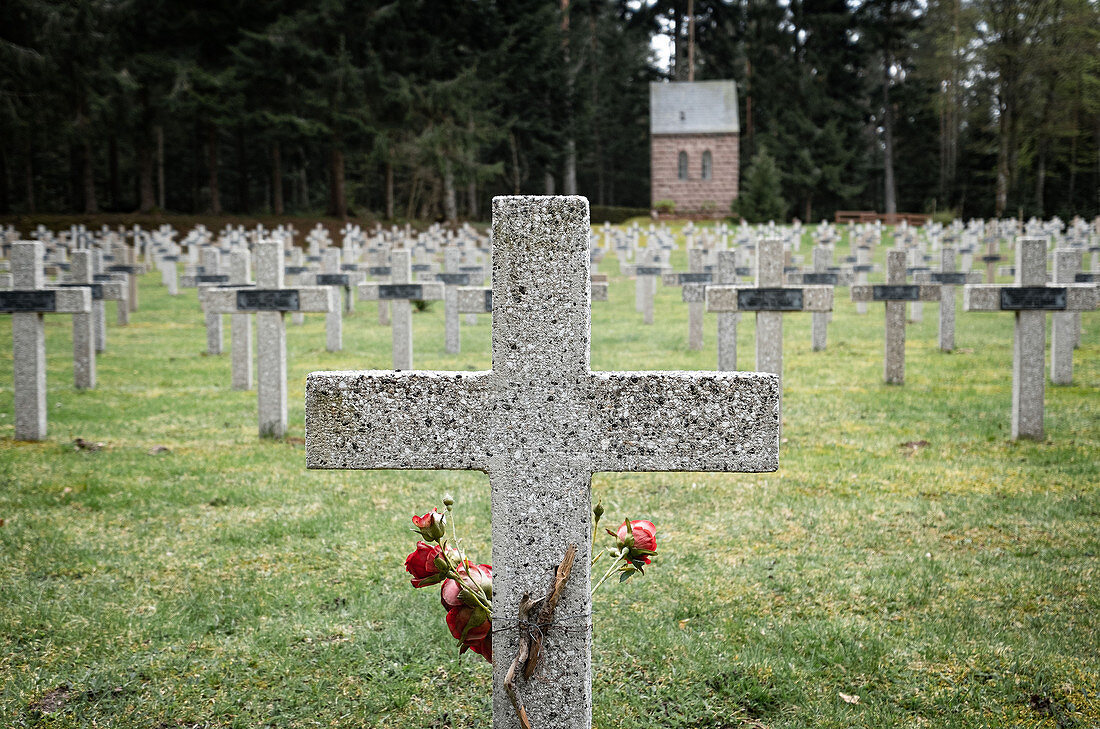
861	270
991	258
1064	324
27	301
896	293
84	325
727	320
451	278
948	278
819	325
401	292
211	274
770	300
1031	298
691	295
331	275
240	323
270	300
540	423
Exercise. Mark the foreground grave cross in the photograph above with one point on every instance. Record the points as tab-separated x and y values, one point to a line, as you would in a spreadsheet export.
1030	299
895	292
270	301
540	423
27	302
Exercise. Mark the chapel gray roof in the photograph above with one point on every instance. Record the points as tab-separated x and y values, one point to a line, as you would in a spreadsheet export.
695	107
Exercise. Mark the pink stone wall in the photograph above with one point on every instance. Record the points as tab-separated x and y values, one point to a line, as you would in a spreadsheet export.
691	194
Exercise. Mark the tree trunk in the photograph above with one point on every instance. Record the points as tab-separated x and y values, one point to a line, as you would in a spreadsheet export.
146	200
1002	163
212	167
242	171
338	202
890	191
76	199
569	178
276	178
91	205
548	182
471	200
515	162
450	205
160	167
114	181
5	183
389	188
28	178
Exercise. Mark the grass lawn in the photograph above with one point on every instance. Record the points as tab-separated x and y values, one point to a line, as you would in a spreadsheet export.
907	552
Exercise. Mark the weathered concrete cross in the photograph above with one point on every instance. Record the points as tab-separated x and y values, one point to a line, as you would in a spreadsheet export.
540	423
27	302
1031	298
270	301
895	292
401	292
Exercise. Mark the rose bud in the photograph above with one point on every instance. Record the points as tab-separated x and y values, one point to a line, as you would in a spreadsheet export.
639	538
432	526
461	592
421	565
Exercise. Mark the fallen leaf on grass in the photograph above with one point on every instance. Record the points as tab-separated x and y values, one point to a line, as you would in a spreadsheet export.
849	698
157	450
86	445
294	440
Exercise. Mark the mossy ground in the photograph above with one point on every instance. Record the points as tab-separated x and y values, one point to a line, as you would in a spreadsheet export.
218	583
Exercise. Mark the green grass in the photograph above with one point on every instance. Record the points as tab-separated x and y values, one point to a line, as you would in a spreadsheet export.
221	584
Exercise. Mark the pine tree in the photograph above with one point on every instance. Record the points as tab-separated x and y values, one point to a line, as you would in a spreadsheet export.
761	197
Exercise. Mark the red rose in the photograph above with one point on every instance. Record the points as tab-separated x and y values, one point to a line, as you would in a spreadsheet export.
484	647
640	539
473	628
431	526
421	565
451	594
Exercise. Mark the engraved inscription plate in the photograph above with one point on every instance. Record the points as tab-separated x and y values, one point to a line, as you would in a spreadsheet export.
902	292
822	279
916	269
690	278
647	271
332	279
743	271
990	259
1019	298
470	269
97	289
106	277
170	259
267	300
212	278
295	270
123	269
1087	278
379	270
421	267
488	299
849	259
314	259
950	279
400	291
863	268
454	279
774	299
349	266
28	300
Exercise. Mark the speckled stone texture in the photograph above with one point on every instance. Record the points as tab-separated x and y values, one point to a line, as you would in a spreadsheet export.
1028	378
80	271
727	320
819	326
947	302
769	324
240	324
29	339
401	312
99	308
1063	334
540	423
215	332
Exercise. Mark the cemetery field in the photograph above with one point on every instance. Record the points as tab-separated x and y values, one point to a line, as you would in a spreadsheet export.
908	565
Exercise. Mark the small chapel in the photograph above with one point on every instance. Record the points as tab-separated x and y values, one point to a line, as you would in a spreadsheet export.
694	147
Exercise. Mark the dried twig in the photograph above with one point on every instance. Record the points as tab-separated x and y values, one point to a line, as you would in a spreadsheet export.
546	615
525	606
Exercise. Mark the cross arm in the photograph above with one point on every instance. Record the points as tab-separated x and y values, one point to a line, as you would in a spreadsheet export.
726	298
76	300
475	300
896	292
685	421
424	291
988	297
397	420
311	299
